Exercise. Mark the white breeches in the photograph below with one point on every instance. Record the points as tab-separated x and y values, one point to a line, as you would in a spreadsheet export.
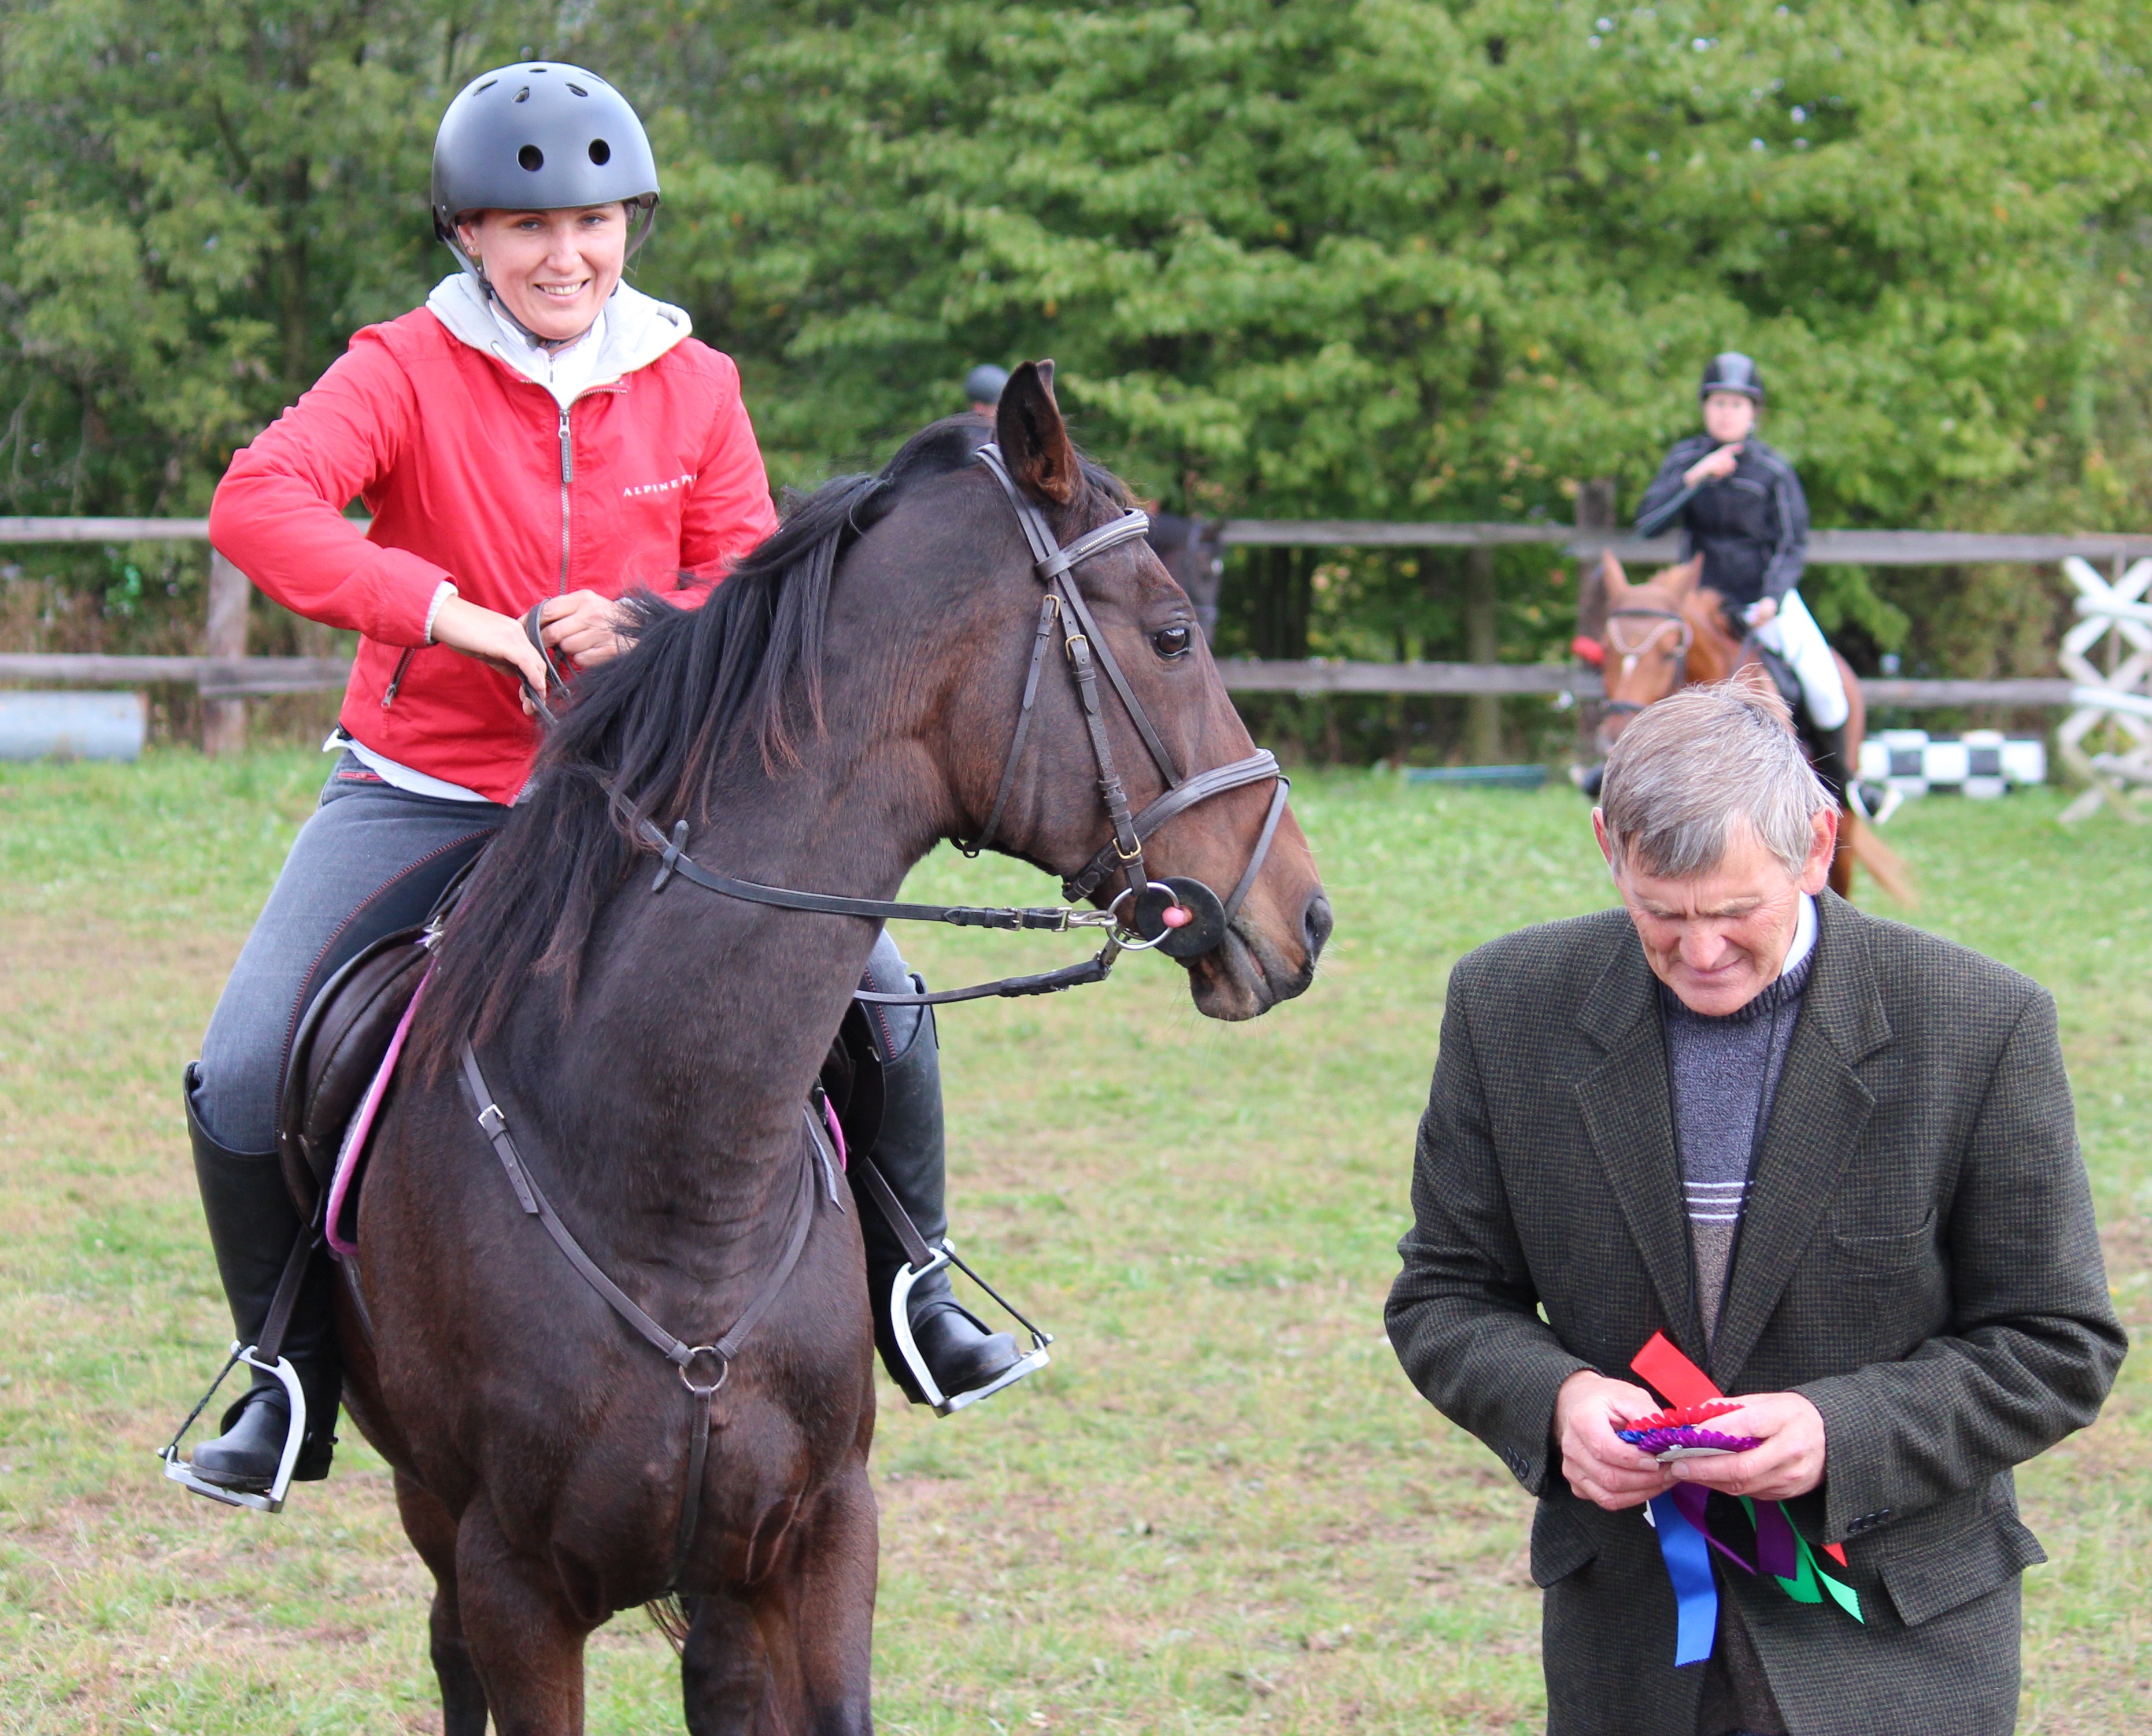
1794	634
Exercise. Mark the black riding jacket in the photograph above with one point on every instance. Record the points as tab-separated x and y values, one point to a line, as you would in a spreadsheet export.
1752	528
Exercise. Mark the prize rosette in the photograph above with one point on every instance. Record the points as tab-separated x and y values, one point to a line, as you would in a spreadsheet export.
1761	1540
1671	1434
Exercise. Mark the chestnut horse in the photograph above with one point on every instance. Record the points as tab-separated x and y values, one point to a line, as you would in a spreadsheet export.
1672	631
844	701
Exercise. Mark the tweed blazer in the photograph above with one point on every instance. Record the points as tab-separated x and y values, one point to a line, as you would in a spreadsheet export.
1917	1256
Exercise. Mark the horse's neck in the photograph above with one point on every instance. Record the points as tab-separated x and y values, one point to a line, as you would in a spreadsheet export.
1714	654
700	1021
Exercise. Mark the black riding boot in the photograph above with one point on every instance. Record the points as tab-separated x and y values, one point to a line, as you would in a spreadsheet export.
961	1354
1827	754
252	1225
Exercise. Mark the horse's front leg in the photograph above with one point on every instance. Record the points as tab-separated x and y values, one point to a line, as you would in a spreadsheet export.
724	1669
432	1533
817	1613
525	1640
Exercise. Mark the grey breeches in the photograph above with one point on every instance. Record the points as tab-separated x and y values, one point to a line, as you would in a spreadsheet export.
370	860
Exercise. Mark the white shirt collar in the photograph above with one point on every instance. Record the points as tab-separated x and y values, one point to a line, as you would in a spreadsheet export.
1804	936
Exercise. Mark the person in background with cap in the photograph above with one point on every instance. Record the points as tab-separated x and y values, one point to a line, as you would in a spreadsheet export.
535	442
1740	506
982	387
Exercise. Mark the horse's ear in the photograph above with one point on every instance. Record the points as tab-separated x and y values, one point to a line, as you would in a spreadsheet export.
1033	439
1611	579
1683	578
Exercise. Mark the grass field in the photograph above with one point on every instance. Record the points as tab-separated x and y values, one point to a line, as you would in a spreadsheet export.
1220	1509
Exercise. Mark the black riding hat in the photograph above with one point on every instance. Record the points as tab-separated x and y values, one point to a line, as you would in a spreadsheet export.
1730	371
540	135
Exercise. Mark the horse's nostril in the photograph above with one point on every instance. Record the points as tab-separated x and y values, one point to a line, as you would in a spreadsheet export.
1315	922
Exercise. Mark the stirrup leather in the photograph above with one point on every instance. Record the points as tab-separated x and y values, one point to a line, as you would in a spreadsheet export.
900	1322
183	1473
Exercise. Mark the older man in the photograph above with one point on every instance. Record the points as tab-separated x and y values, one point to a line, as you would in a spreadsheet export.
1833	1161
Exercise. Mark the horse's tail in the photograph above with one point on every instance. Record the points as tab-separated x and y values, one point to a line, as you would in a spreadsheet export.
1878	859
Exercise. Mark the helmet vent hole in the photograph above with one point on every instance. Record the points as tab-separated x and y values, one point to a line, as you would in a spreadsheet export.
601	152
524	94
488	84
531	158
579	90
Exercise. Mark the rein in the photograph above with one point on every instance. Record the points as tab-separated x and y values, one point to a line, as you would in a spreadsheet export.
1208	917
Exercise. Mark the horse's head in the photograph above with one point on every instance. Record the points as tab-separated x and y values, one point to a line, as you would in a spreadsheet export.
1015	678
1661	635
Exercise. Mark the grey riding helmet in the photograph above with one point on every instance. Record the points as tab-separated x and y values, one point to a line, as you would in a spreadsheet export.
985	384
1730	371
540	135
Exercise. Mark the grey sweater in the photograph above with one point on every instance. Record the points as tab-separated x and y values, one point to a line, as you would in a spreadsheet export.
1725	1074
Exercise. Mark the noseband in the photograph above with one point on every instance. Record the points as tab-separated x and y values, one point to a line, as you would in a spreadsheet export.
1143	925
1619	642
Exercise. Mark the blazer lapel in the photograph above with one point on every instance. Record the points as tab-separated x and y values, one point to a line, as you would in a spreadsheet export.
1627	1106
1816	1121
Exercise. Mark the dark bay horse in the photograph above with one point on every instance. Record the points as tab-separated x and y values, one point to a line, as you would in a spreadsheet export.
844	701
1671	632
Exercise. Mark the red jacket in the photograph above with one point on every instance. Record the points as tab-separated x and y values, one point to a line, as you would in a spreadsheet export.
474	473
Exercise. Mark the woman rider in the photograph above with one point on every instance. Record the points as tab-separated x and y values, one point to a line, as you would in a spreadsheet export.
538	434
1740	506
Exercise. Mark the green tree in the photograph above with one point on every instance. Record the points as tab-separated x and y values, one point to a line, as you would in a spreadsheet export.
1382	258
1407	258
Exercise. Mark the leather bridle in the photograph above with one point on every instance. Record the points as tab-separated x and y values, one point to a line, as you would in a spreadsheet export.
1618	644
1206	917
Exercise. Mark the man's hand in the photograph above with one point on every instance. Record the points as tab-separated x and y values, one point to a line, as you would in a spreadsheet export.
1600	1465
1717	467
1788	1463
584	626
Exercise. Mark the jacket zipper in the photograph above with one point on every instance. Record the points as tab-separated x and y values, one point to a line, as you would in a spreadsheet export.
568	476
396	680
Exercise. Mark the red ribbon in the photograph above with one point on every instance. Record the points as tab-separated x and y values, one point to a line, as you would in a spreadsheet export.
1680	1382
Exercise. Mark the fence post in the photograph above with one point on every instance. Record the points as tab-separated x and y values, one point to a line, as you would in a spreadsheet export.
1483	644
224	721
1595	511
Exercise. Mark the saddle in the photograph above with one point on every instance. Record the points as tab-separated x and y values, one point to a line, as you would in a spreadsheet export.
341	1043
344	1038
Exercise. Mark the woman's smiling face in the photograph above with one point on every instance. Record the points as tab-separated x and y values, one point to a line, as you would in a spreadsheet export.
552	270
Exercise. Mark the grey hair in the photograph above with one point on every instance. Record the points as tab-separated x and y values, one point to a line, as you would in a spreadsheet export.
1689	769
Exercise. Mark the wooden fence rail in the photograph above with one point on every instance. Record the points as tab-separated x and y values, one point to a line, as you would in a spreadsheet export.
227	676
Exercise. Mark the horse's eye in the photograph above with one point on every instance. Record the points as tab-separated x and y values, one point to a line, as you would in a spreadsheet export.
1171	641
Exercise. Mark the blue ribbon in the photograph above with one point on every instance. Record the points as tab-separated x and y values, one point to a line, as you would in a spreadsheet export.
1688	1567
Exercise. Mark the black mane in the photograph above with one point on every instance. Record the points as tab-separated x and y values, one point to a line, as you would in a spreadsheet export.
644	735
642	738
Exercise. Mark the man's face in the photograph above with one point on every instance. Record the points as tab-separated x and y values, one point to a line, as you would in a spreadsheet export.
1717	939
1729	416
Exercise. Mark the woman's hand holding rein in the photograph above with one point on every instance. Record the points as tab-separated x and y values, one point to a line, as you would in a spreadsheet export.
584	626
493	639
